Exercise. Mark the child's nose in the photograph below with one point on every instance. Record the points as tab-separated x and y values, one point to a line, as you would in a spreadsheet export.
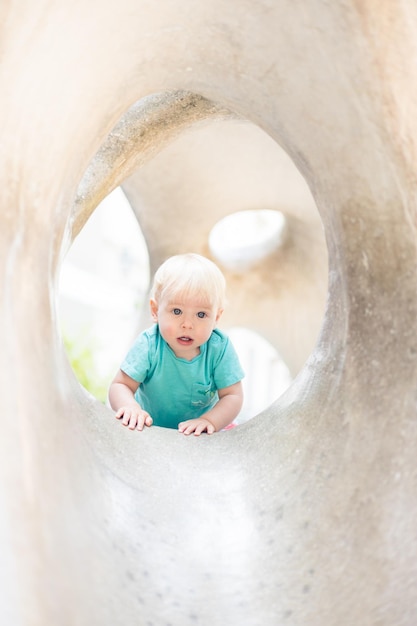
187	322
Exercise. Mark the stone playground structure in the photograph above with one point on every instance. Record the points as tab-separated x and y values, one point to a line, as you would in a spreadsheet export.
307	514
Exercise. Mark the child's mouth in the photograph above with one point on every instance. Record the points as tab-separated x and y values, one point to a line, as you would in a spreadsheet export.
184	339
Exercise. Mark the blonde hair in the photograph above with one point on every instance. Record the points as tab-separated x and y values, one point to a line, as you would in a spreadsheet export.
188	275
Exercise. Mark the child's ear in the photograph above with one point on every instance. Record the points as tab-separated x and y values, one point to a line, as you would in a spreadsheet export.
154	310
219	314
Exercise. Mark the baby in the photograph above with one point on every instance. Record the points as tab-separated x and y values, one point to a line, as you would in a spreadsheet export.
183	372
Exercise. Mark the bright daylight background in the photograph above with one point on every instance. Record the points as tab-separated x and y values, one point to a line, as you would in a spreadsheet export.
103	287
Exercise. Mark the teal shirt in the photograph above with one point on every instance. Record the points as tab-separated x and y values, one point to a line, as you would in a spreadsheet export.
172	389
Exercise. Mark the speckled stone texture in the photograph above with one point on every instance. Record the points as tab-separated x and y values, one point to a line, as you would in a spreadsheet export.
306	515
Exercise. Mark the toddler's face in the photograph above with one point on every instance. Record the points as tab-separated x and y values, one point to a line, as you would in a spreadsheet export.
185	324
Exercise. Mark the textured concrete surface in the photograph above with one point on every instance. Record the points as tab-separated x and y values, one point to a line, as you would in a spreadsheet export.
305	515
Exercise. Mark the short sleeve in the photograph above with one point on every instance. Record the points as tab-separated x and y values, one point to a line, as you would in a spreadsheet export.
227	368
137	362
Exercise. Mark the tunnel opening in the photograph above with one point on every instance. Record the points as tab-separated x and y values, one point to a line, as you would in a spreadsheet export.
186	195
243	239
103	294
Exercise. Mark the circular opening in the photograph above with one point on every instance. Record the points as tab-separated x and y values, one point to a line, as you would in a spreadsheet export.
102	291
243	239
283	298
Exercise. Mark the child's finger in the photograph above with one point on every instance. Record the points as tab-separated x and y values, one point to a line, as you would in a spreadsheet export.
204	426
184	428
125	417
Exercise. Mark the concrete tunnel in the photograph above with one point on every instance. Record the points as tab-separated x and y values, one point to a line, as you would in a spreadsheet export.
306	514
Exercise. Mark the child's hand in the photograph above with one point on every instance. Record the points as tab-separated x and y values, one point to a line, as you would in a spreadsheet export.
134	417
196	426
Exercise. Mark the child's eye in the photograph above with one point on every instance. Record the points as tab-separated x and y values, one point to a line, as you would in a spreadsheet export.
201	314
176	311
